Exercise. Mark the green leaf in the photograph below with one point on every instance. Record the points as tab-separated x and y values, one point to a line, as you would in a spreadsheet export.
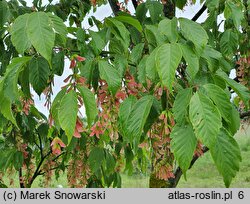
6	109
183	144
117	180
110	75
213	4
212	58
155	10
116	46
233	121
18	160
10	81
136	53
58	25
135	36
225	65
36	114
3	123
110	162
19	35
128	153
43	130
229	42
41	34
2	185
120	31
221	83
141	12
87	68
25	82
169	28
96	158
58	63
241	90
56	105
7	159
226	155
211	52
181	104
142	70
205	118
124	112
89	103
181	3
220	98
153	116
68	113
4	13
97	41
39	72
137	119
153	37
194	32
121	63
168	58
151	71
130	20
191	59
235	11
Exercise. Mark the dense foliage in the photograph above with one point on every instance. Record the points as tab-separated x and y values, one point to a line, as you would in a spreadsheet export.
155	89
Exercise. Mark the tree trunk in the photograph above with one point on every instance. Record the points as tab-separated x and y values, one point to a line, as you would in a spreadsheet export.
155	182
168	8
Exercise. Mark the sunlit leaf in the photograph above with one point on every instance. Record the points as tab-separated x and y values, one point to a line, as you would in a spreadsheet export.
226	155
67	113
205	118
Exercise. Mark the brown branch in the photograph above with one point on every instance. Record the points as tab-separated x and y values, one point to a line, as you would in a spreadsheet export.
115	8
199	13
58	156
54	168
178	173
40	146
21	178
169	9
135	3
37	172
245	114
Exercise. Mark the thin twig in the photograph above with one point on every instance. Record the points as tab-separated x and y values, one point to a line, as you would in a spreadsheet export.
41	145
135	3
199	13
54	168
38	168
58	156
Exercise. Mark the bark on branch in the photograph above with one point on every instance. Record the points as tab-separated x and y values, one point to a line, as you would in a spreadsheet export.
21	178
135	3
37	171
169	9
245	114
115	8
199	13
178	172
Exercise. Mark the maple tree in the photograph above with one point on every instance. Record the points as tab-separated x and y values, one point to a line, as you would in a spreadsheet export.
155	89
